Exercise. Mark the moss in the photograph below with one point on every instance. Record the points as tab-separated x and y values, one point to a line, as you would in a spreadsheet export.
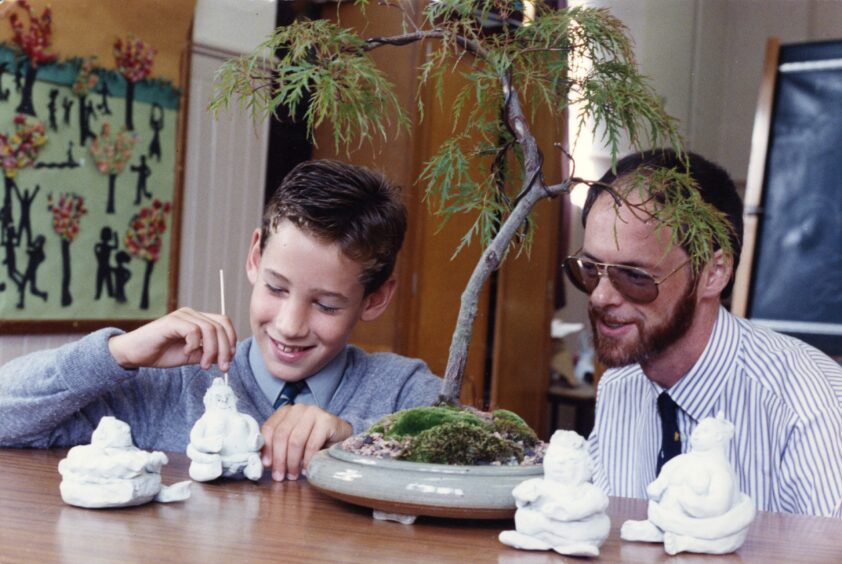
460	442
510	425
412	422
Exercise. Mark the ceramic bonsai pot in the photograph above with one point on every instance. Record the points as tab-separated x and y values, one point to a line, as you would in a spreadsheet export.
416	488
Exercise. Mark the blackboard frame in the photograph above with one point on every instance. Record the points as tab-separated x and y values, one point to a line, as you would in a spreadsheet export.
754	288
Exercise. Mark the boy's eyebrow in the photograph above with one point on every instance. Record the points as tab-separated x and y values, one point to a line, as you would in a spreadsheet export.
318	291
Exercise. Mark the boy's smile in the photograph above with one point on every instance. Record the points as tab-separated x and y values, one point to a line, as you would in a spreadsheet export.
306	298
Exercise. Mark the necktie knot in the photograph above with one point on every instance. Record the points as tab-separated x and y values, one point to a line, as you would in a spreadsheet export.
670	435
288	393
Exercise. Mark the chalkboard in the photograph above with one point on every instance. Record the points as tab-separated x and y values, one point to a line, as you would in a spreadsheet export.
792	275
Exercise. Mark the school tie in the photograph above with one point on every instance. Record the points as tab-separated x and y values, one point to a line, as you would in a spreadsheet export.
288	393
670	437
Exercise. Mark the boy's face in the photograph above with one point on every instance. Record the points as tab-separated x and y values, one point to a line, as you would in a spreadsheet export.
306	299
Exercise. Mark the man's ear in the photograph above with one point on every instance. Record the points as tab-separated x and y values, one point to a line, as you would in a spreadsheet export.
376	302
253	257
716	274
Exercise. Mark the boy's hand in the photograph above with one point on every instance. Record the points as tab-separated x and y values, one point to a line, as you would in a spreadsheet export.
182	337
294	433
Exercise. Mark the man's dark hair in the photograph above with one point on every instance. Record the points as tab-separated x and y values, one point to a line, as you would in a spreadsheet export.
715	187
346	204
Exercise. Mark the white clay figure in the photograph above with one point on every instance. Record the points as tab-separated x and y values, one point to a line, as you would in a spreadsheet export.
563	511
112	472
224	442
695	504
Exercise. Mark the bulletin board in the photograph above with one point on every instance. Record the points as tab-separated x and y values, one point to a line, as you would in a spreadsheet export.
92	97
791	274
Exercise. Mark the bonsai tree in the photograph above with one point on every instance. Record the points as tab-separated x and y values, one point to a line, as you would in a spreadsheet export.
34	42
67	212
577	59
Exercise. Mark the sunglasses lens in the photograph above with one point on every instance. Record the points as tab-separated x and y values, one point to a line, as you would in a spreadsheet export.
635	284
583	274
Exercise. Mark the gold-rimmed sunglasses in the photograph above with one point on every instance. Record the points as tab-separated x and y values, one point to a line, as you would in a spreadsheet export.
632	282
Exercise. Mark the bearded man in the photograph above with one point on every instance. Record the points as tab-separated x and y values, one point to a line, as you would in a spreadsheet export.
675	355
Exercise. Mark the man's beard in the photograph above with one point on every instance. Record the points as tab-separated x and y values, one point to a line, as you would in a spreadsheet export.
651	341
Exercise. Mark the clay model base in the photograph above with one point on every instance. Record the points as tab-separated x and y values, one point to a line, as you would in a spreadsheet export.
563	511
695	503
112	472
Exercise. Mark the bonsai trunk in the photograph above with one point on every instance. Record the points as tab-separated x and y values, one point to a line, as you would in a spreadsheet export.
534	189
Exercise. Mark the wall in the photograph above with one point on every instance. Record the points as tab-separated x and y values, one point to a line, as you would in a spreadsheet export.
223	178
706	58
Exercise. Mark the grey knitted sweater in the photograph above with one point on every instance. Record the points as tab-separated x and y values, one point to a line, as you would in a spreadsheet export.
57	397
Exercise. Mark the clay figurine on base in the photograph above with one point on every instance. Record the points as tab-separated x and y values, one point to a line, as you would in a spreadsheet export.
224	442
563	511
695	503
112	472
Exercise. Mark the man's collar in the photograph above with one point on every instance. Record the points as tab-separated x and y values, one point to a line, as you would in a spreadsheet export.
697	391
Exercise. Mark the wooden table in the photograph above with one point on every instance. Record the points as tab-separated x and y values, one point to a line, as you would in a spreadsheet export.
233	521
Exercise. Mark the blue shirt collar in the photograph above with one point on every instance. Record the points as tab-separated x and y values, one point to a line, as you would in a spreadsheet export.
320	386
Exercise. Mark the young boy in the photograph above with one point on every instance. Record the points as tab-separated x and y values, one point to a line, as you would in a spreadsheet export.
322	260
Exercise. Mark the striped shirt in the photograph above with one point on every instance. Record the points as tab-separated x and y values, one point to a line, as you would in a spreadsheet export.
783	396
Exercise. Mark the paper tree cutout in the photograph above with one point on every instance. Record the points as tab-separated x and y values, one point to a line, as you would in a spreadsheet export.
18	150
111	156
133	59
67	216
84	84
144	240
34	42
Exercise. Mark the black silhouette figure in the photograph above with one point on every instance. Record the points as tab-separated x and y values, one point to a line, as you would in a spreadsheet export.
66	105
69	162
10	244
156	122
103	105
121	276
35	256
143	171
25	200
4	92
52	107
86	112
102	250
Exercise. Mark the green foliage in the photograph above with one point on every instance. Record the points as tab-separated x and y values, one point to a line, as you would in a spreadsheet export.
412	422
510	425
320	66
460	442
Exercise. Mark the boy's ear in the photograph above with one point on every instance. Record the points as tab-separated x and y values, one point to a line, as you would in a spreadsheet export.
253	257
376	302
716	274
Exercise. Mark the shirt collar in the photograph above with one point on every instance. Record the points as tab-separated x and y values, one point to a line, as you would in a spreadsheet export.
322	385
697	392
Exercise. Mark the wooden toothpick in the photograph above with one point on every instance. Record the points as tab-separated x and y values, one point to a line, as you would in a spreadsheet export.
222	302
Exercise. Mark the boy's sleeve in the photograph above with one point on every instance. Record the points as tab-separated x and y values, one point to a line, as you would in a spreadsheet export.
42	393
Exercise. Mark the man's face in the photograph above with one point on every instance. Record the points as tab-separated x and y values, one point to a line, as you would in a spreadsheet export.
626	332
306	298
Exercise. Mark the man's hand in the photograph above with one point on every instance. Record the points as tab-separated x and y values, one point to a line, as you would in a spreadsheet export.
294	433
182	337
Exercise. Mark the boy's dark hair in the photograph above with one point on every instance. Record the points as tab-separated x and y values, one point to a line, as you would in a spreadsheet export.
346	204
715	187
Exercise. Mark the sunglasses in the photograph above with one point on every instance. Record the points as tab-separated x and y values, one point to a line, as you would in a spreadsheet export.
633	283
